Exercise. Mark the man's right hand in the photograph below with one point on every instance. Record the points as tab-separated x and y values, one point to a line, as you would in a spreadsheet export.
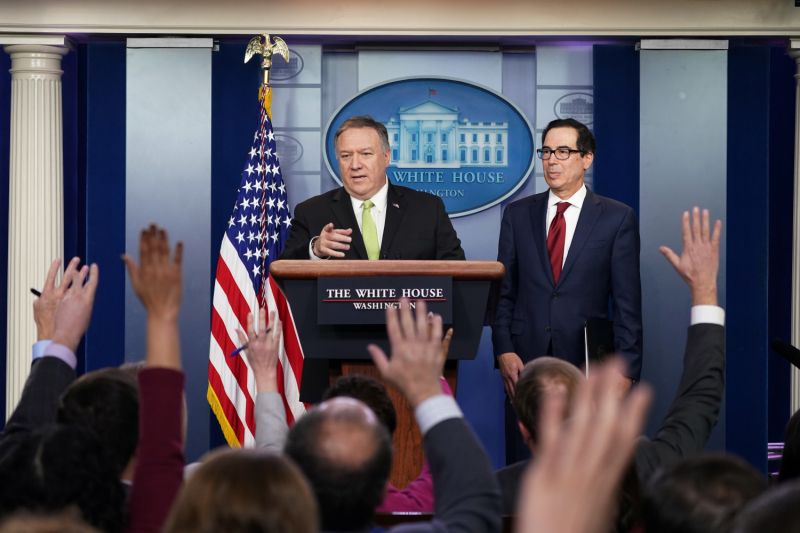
510	366
332	242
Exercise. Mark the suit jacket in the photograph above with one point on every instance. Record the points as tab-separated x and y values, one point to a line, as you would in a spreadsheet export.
464	489
688	423
38	405
417	226
602	266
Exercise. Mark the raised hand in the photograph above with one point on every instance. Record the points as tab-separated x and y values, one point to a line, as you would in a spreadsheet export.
263	349
44	307
417	356
698	264
573	481
157	281
74	310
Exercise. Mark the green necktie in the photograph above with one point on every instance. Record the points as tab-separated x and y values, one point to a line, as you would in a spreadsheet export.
369	231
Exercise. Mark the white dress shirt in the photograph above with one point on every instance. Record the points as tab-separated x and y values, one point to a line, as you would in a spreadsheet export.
570	215
378	212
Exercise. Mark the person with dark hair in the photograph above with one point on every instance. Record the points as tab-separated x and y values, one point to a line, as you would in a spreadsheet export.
345	451
368	218
107	402
775	510
244	491
371	392
790	461
567	252
59	467
700	494
694	411
271	426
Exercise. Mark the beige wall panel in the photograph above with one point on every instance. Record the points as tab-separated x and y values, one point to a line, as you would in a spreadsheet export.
412	17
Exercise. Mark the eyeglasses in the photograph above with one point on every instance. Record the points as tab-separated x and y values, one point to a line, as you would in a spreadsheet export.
562	152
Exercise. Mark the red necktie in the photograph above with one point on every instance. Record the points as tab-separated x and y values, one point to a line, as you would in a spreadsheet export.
555	239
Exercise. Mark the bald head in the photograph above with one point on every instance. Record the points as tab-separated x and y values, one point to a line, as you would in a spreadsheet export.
345	453
348	433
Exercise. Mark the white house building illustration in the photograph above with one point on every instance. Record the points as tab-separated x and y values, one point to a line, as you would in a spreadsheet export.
431	135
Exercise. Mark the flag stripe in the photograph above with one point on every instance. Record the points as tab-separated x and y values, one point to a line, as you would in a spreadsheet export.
255	235
236	367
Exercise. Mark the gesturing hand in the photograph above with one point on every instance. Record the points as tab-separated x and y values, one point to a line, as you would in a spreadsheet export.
698	264
417	356
44	307
74	311
332	242
157	281
263	349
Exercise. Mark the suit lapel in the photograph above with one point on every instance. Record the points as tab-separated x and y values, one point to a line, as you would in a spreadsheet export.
590	211
342	209
538	221
395	211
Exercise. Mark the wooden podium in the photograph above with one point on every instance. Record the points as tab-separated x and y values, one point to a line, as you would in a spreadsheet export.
334	350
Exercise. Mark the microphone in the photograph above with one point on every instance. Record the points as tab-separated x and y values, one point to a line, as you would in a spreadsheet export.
787	351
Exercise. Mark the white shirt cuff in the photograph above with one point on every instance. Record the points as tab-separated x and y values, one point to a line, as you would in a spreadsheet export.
708	314
311	254
436	409
38	349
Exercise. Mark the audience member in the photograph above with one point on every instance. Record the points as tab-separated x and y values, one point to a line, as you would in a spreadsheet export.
790	462
67	521
341	440
271	425
695	409
159	458
700	494
775	511
107	402
244	491
570	486
68	310
346	454
57	467
47	466
371	392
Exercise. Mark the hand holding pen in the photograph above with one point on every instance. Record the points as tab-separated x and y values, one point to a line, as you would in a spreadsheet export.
262	349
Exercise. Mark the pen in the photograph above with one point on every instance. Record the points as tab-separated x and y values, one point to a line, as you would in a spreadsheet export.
245	345
35	292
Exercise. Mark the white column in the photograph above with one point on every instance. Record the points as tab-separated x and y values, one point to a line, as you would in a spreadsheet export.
36	212
794	51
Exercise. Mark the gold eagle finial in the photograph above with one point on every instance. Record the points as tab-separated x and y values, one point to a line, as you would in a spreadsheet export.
260	44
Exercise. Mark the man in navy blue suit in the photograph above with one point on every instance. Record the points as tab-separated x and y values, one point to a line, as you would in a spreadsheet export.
570	255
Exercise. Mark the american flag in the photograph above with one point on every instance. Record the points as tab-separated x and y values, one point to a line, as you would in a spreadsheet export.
255	234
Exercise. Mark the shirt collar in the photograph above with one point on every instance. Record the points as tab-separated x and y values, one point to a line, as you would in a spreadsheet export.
378	200
575	200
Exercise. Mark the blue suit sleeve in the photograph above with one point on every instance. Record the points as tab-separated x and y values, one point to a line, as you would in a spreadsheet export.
506	254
